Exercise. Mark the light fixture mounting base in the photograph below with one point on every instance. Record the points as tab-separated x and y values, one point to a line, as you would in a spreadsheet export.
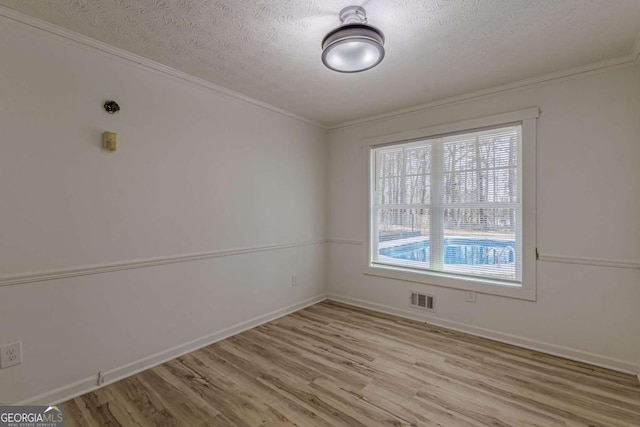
353	15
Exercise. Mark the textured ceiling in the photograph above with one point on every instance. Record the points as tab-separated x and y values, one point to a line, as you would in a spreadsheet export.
270	49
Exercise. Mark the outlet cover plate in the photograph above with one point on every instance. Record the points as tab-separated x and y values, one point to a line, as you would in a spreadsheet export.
10	355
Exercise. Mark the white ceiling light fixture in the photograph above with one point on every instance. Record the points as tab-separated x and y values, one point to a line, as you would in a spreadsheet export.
354	46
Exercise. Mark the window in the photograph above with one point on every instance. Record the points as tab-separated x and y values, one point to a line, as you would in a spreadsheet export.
449	208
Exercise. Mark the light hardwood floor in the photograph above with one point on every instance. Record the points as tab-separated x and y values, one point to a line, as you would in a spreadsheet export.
337	365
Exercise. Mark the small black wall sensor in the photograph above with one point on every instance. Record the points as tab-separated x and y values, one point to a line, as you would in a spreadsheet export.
111	107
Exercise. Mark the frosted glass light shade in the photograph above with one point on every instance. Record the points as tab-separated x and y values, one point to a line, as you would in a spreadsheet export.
353	48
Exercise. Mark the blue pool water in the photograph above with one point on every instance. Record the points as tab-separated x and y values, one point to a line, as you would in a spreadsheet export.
458	251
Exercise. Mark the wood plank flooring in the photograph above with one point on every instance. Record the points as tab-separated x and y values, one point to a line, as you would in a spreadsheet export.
336	365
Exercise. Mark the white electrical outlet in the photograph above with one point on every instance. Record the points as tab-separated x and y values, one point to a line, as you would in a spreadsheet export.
100	378
294	280
472	296
10	354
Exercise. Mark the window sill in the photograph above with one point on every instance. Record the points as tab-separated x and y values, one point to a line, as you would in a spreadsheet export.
484	286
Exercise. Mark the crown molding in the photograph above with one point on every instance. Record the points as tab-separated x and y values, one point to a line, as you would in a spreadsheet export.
607	65
137	60
145	63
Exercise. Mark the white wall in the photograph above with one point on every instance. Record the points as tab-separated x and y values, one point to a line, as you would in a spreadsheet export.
200	172
588	207
195	171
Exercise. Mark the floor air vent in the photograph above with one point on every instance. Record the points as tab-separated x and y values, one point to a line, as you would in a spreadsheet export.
423	301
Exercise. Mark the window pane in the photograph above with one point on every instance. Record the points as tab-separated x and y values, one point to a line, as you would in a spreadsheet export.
492	185
481	167
450	204
498	149
403	190
389	163
480	242
417	160
461	187
402	176
502	185
459	154
403	236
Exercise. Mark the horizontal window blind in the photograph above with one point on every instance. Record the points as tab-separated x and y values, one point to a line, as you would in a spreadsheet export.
451	204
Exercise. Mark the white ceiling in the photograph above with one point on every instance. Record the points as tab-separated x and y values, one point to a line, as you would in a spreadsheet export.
270	49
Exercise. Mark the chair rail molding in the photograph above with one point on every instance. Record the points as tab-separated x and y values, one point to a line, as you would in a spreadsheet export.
86	270
543	257
345	241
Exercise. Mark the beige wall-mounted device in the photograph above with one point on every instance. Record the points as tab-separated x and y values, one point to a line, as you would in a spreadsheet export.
110	141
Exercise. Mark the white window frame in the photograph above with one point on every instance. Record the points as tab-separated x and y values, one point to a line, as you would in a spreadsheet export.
527	119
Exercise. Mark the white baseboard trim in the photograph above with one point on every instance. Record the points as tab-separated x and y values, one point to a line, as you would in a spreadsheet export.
88	384
543	347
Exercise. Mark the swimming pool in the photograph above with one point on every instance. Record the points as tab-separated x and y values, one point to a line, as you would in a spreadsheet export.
458	250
